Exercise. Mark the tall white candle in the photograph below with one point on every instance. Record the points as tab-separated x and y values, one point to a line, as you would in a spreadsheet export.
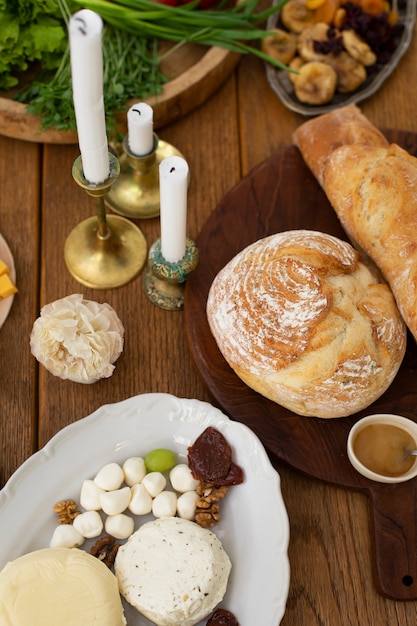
85	36
173	183
140	128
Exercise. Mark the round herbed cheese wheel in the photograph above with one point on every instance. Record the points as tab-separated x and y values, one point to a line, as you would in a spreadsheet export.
304	322
173	571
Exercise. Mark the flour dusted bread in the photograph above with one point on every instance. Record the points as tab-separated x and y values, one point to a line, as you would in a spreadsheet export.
304	322
372	187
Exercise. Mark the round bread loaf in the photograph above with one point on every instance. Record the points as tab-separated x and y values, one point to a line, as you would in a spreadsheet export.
304	322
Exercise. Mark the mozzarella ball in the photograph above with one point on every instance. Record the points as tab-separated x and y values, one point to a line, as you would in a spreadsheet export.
154	483
140	501
119	526
182	479
66	536
186	504
134	470
110	477
88	524
165	504
114	502
90	496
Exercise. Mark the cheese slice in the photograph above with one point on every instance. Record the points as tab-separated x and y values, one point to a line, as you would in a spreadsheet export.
7	287
4	269
59	587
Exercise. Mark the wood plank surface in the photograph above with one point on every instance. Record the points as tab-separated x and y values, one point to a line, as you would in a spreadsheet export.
141	368
20	192
242	124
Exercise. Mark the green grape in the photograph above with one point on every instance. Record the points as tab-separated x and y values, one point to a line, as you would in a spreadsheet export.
160	460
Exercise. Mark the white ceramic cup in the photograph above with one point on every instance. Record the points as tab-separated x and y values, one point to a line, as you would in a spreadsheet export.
382	418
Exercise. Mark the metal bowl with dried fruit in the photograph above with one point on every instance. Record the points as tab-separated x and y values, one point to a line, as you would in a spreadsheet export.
338	52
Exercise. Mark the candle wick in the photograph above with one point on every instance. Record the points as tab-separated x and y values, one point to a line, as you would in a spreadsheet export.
137	111
172	170
82	28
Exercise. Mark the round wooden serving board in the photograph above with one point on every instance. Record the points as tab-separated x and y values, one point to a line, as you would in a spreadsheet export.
282	194
194	72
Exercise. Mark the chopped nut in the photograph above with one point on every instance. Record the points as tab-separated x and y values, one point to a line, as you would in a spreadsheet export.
210	492
105	549
207	512
66	510
208	517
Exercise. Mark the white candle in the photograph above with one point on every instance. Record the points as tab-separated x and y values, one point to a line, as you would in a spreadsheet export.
85	36
140	128
173	183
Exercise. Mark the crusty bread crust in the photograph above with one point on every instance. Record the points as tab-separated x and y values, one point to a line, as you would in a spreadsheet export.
304	322
318	138
372	187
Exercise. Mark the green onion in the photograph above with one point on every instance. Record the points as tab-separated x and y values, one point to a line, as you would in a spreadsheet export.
228	28
131	64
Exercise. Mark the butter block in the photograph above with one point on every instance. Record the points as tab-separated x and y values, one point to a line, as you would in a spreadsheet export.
59	587
7	287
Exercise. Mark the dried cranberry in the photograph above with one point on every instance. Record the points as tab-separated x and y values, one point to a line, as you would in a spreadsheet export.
376	31
332	45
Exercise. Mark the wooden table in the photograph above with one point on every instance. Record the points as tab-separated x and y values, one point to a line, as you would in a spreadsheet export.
236	129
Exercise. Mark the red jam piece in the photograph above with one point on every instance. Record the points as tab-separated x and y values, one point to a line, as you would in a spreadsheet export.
221	617
210	459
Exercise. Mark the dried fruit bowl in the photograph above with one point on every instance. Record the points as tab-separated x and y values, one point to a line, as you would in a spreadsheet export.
283	87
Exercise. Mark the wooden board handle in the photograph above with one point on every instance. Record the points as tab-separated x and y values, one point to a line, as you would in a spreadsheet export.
395	539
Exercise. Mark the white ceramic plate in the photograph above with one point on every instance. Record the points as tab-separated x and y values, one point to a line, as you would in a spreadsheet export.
281	84
7	257
254	527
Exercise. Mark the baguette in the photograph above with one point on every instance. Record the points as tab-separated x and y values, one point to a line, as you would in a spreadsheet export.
372	186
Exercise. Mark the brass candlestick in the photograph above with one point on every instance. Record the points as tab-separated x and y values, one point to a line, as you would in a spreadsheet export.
164	281
104	251
135	194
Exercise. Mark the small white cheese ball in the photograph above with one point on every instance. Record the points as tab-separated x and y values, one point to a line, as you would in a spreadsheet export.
154	483
140	501
114	502
109	477
182	479
186	504
119	526
134	470
90	496
89	524
165	504
66	536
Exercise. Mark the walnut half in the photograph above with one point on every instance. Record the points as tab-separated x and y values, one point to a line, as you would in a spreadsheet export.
66	510
105	549
207	512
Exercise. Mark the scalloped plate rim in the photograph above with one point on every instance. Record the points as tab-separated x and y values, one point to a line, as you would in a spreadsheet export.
183	419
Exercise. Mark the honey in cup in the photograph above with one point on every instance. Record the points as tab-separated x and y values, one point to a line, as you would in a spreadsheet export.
382	451
382	448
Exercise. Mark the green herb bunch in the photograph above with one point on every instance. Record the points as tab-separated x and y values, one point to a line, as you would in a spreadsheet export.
36	30
130	70
30	30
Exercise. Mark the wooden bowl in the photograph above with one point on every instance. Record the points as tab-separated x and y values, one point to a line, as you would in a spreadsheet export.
194	72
